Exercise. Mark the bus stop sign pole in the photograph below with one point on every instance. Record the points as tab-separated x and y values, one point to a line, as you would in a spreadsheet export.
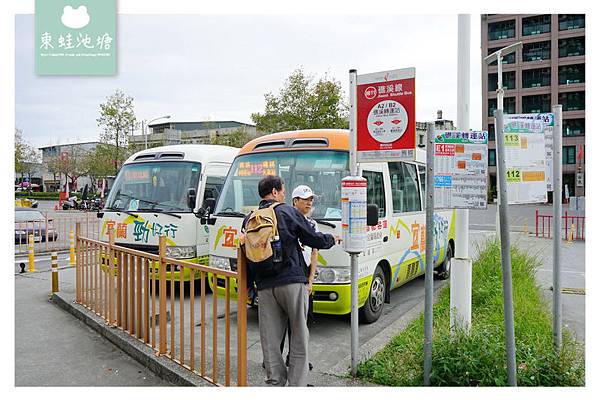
428	312
509	323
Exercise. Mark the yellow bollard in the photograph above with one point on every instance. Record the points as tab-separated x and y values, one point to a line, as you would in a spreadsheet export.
54	272
31	255
71	249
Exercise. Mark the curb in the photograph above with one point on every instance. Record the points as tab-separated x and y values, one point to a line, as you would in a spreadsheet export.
139	351
379	341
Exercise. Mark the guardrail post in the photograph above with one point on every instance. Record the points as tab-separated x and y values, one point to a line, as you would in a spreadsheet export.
72	247
242	294
566	224
30	245
162	296
78	282
111	277
537	212
54	272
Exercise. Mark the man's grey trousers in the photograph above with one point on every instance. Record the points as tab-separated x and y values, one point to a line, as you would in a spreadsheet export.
275	306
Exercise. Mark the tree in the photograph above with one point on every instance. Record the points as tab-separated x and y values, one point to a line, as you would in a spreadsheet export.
303	104
118	121
100	162
26	156
236	138
72	163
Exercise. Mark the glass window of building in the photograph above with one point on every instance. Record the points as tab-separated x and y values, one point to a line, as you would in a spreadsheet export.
572	101
508	80
571	47
536	51
539	77
501	30
507	59
536	103
570	21
569	74
568	155
510	105
492	157
491	132
536	25
573	127
492	103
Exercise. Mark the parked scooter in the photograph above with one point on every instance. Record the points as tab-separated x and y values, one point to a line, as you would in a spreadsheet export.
71	204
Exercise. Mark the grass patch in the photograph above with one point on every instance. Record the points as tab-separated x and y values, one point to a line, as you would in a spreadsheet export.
479	359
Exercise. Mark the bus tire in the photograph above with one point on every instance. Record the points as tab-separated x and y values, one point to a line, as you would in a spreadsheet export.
373	307
443	271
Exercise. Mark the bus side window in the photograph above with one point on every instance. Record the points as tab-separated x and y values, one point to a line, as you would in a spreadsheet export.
405	187
375	191
422	178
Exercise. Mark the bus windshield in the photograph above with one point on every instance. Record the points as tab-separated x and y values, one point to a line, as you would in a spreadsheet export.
160	186
321	170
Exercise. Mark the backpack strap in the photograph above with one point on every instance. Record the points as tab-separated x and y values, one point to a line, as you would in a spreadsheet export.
272	207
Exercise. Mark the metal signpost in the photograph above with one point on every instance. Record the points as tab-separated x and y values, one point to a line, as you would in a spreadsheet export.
382	128
509	323
428	313
557	207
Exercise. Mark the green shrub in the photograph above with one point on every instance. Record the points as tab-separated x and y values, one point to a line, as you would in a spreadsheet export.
479	358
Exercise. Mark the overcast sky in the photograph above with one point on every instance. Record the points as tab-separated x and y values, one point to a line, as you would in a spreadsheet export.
198	67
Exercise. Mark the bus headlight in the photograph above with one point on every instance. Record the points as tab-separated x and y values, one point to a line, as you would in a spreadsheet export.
181	251
332	275
219	262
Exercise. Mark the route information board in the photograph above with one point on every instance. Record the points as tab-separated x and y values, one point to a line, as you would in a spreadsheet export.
526	165
546	120
460	169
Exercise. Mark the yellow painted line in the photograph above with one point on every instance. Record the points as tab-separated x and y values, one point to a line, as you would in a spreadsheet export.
580	291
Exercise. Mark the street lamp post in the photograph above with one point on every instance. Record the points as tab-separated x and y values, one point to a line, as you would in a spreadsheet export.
497	56
502	218
145	128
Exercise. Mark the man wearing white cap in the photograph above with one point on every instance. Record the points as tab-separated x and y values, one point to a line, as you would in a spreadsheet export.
302	200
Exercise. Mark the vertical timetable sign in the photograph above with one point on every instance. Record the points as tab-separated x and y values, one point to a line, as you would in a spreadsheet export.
386	126
539	121
525	144
460	169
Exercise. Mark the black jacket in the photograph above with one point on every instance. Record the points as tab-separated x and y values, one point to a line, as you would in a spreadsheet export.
292	225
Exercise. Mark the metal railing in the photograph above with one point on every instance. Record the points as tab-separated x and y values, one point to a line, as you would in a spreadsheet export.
573	226
52	234
130	289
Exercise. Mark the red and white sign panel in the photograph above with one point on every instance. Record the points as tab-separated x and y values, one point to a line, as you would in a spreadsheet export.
386	126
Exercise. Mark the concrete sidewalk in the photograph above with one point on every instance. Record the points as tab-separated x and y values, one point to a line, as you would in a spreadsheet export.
54	349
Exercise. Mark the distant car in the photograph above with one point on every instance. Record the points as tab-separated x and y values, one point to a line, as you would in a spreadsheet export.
32	222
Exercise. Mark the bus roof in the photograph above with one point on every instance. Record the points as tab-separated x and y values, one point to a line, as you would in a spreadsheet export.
186	152
333	139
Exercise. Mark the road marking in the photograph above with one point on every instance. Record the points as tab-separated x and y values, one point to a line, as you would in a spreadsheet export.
566	271
579	291
26	260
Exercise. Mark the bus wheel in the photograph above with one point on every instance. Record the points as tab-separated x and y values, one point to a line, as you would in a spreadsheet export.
373	307
443	271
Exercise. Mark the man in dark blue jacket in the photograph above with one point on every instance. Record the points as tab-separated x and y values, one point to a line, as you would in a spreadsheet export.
284	296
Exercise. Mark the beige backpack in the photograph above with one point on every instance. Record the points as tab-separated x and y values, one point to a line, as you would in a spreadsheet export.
261	227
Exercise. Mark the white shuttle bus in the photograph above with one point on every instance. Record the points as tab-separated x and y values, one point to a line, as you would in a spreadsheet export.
395	251
160	191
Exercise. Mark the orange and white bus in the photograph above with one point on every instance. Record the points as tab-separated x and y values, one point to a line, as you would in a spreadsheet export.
319	158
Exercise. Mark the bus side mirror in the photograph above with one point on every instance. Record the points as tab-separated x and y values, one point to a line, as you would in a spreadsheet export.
372	214
209	205
191	198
